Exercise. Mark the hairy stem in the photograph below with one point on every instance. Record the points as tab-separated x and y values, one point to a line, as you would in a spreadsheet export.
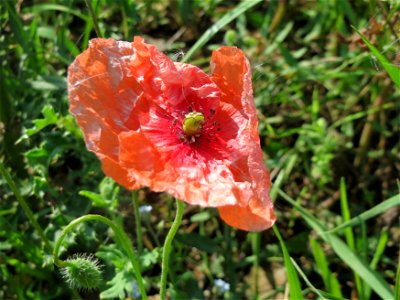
167	248
121	238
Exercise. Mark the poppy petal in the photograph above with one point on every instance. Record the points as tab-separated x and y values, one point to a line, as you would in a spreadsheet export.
232	73
99	80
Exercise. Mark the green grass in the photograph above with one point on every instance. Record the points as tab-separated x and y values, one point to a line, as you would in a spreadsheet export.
326	83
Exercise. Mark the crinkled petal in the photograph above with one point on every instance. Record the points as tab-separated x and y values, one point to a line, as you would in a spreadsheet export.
121	175
199	92
156	73
250	218
99	80
232	74
103	140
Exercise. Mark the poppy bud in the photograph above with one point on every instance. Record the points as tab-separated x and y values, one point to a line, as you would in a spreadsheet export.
82	272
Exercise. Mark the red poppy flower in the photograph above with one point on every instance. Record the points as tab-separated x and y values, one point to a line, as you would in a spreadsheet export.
171	127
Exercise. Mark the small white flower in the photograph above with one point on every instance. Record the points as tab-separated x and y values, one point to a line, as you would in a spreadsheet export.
144	209
222	285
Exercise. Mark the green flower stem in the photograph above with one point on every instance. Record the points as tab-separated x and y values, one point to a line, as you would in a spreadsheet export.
25	207
138	221
121	237
167	248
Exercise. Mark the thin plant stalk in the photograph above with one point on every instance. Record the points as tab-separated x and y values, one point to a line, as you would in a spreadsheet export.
121	237
94	18
25	207
151	231
167	248
138	221
255	245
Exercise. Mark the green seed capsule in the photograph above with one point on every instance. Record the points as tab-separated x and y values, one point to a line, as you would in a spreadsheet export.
193	123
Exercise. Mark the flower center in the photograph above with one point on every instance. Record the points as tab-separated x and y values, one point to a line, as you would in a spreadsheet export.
193	123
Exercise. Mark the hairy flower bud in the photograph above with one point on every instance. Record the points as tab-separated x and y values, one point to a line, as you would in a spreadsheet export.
82	272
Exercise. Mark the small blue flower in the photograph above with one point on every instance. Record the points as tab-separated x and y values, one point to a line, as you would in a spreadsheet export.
222	285
144	209
135	290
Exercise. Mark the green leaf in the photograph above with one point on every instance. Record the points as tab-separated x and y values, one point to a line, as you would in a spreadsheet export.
392	69
49	83
149	258
97	199
200	217
294	283
50	118
121	282
226	19
124	281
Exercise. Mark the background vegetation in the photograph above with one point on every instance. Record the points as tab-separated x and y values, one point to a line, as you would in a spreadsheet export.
329	125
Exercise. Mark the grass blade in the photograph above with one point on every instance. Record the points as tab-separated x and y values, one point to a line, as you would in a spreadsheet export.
308	282
349	233
293	279
329	279
397	286
376	210
392	69
372	278
39	8
226	19
94	18
380	249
